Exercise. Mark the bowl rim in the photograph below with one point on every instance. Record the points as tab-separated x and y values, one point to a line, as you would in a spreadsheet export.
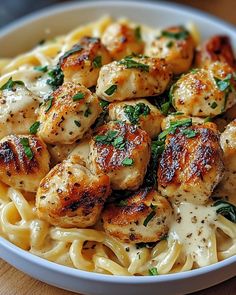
57	268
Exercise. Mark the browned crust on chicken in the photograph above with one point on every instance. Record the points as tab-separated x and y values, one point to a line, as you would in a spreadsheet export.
127	222
14	158
76	198
217	48
110	157
89	48
188	161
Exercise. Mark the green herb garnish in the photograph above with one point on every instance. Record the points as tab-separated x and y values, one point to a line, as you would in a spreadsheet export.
224	84
34	127
165	107
119	142
129	63
48	103
133	113
25	143
56	77
150	215
226	209
173	126
76	48
106	138
78	96
169	44
137	33
77	123
111	90
153	271
104	104
10	84
208	119
42	69
97	62
214	105
194	71
111	138
127	162
182	35
189	133
87	112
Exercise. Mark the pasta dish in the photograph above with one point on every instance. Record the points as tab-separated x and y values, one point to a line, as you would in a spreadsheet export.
118	149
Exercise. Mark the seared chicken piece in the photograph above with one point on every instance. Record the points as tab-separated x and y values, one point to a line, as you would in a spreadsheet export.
122	151
71	196
143	217
204	93
173	118
227	186
17	110
217	48
133	77
138	112
68	114
176	46
82	63
122	40
191	164
24	161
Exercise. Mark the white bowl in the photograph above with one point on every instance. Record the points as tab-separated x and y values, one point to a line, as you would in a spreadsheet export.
61	19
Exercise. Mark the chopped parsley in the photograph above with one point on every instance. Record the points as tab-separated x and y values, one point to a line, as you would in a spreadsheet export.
78	96
137	33
42	69
87	112
127	162
77	123
173	126
104	104
48	103
150	215
133	113
226	209
214	105
176	113
97	62
153	271
25	143
10	84
208	119
119	142
76	48
171	96
194	71
182	35
56	77
189	133
224	84
169	44
129	63
34	127
111	90
111	138
107	138
165	108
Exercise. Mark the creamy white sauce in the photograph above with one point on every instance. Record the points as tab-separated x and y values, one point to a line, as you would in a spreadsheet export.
192	225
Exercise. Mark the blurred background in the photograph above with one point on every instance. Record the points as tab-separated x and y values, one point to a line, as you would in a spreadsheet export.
13	9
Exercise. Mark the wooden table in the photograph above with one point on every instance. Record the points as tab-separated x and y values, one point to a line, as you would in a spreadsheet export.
14	282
